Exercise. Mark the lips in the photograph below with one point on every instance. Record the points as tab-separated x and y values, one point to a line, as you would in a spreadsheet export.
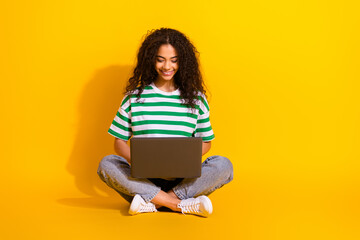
167	73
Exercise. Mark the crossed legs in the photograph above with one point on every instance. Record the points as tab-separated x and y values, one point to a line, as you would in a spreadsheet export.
167	199
115	171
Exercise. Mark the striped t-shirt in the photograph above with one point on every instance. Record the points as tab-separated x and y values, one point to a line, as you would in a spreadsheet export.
161	114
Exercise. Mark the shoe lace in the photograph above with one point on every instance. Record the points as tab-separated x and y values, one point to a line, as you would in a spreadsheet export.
147	207
189	206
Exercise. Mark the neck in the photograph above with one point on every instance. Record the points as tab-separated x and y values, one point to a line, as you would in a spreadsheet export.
166	86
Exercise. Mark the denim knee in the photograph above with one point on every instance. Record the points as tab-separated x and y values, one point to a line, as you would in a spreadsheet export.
224	166
230	169
102	166
107	162
103	163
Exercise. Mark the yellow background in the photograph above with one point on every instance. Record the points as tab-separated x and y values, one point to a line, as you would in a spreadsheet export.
284	83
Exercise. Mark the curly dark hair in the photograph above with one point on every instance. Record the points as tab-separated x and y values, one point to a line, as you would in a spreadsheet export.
188	78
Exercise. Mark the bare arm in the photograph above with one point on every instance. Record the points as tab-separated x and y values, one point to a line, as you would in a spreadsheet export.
122	149
205	147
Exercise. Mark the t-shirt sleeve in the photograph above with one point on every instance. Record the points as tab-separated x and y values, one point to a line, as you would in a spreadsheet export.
203	125
121	125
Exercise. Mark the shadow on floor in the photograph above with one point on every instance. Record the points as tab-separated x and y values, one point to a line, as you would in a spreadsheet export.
97	202
102	203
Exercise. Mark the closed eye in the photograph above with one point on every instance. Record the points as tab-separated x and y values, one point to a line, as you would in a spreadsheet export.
159	60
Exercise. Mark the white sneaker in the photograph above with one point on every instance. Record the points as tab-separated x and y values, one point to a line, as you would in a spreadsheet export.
138	205
199	206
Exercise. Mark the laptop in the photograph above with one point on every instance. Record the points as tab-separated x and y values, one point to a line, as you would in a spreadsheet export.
166	157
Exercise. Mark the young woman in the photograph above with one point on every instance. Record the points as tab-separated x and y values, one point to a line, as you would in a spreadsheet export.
165	97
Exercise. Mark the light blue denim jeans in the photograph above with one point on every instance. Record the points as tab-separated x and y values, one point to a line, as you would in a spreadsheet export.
114	170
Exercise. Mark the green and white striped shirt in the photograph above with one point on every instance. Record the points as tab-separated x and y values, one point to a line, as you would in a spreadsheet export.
161	114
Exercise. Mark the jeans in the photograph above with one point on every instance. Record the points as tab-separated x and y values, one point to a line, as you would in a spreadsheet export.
114	170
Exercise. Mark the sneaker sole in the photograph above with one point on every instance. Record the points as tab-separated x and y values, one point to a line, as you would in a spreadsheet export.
207	205
132	209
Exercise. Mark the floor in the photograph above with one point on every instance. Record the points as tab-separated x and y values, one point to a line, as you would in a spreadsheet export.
243	209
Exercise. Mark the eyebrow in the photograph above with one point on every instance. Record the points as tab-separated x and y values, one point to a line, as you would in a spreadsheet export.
164	58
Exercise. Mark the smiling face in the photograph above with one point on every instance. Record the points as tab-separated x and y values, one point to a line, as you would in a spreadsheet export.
166	64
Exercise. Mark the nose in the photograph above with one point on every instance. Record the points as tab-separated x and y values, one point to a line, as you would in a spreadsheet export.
167	65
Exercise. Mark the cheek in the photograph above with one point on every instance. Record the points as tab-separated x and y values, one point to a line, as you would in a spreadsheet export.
157	66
